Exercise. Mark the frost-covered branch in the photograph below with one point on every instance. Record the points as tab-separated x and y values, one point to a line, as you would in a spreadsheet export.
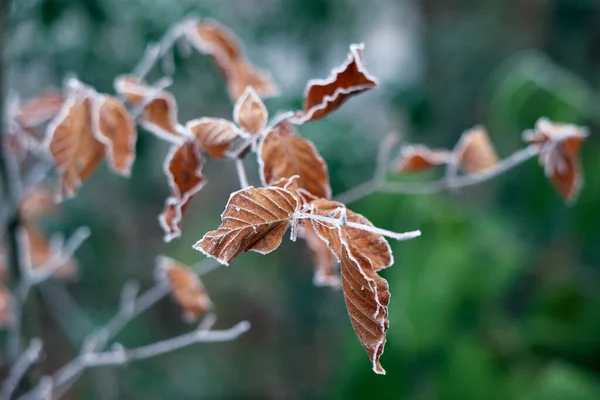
20	367
32	277
451	180
120	356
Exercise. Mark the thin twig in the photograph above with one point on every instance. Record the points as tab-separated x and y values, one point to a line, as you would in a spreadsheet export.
506	164
154	52
122	356
127	313
241	173
339	222
20	368
30	278
418	188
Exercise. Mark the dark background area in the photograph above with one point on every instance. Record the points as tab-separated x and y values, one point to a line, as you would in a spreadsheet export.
500	297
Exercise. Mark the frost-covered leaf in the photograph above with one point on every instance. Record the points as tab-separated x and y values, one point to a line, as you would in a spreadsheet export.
361	254
372	245
250	112
324	261
183	167
218	41
215	135
254	219
367	297
159	115
323	96
186	288
72	143
475	152
559	154
419	158
283	154
115	128
40	109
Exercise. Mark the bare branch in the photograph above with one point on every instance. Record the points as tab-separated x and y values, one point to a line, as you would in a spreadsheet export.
504	165
31	278
122	356
20	368
155	52
449	182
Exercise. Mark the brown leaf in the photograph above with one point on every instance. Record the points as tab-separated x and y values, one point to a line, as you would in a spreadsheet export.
474	151
254	219
323	96
418	158
6	316
115	128
250	112
183	167
36	201
40	109
73	145
324	260
361	255
216	135
186	287
212	38
160	108
243	73
41	253
559	154
372	245
367	297
283	154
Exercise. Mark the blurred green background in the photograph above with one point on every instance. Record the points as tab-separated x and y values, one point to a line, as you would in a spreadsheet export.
500	297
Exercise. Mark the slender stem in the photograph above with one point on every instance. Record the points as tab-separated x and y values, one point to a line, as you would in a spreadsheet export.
465	180
122	356
455	182
241	173
154	52
31	278
20	368
341	222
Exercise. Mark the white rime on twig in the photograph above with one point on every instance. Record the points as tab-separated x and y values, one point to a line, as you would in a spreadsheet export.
20	368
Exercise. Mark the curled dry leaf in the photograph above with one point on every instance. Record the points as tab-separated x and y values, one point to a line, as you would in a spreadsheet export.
216	135
40	109
250	112
72	142
323	96
183	167
361	255
283	154
475	152
212	38
254	219
186	287
326	273
159	107
5	307
115	128
419	158
559	154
